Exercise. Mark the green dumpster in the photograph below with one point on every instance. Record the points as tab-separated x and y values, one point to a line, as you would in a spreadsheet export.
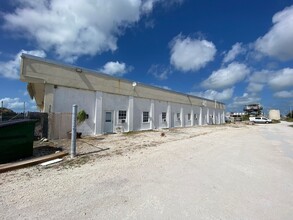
16	139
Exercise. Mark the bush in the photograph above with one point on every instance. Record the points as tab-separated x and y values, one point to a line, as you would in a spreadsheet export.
81	116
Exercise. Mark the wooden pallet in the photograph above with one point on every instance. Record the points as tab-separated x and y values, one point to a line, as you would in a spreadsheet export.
25	163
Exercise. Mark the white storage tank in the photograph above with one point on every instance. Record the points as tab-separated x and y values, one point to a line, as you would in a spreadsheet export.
274	114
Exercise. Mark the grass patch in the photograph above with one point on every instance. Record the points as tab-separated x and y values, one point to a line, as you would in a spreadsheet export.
289	119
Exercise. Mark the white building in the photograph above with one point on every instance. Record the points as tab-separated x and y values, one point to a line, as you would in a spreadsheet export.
274	114
113	104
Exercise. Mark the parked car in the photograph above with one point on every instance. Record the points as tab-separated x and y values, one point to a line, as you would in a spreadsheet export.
260	120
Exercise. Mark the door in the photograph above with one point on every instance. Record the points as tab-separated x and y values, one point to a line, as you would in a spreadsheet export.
108	124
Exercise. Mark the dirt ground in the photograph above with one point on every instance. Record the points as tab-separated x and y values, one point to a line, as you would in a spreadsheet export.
212	172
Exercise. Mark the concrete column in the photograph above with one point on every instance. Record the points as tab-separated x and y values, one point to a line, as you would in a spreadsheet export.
49	98
200	116
152	115
169	115
99	113
214	116
208	115
192	116
223	117
182	117
130	113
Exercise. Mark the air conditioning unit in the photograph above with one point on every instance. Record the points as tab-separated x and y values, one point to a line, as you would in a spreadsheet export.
121	121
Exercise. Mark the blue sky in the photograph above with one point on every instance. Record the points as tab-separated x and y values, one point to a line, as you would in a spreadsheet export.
237	52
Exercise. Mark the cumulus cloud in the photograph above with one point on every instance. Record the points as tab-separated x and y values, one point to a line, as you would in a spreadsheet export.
148	5
226	76
160	71
281	79
12	103
189	54
74	28
17	105
284	94
116	68
278	41
215	95
162	87
254	87
236	50
10	69
243	100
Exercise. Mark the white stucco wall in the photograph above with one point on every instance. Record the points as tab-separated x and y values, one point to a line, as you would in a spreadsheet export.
116	103
97	103
160	107
141	105
64	98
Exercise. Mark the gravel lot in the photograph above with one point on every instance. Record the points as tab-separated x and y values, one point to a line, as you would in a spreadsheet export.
211	172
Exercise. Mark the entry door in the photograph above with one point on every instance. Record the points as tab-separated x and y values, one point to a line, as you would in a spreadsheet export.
108	124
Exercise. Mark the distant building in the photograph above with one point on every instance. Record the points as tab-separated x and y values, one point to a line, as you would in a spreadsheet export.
274	114
112	104
253	109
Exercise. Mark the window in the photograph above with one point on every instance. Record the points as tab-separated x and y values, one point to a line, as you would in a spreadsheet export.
108	117
188	116
145	117
164	116
122	116
195	116
178	116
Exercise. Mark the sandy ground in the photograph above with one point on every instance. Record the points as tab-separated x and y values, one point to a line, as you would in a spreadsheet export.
211	172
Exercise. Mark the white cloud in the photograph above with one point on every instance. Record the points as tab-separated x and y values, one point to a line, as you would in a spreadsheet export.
245	99
162	87
189	54
12	103
284	94
10	69
227	76
76	28
17	105
236	50
254	87
260	76
215	95
160	71
115	68
281	79
278	42
148	5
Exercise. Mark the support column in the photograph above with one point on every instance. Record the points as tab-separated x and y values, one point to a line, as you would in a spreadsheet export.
152	115
169	115
192	116
182	117
200	116
208	115
49	98
130	113
99	113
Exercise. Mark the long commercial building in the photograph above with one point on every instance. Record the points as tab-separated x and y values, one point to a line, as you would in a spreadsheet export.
113	104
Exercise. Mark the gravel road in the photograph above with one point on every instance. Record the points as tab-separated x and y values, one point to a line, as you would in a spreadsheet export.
243	172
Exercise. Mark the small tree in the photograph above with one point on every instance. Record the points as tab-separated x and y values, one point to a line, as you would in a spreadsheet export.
290	114
81	116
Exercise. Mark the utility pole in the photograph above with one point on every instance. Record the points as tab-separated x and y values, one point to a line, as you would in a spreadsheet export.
1	111
73	132
23	109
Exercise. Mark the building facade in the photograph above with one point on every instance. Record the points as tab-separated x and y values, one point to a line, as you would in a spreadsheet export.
113	104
